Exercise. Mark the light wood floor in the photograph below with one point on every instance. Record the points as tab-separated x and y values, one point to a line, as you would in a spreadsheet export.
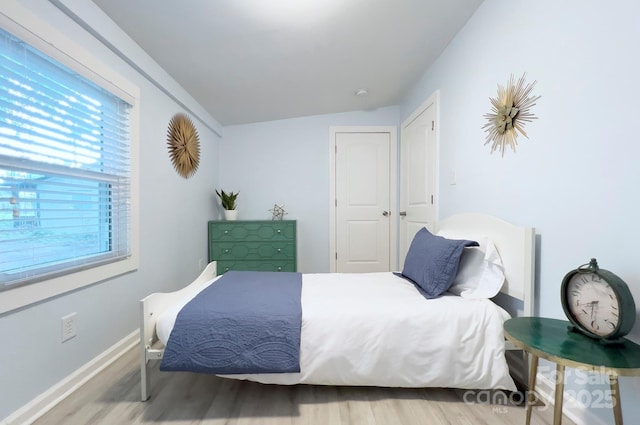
113	397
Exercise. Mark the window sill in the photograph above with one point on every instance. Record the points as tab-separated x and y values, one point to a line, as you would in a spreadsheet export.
23	296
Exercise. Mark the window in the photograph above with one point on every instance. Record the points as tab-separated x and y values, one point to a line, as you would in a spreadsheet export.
65	169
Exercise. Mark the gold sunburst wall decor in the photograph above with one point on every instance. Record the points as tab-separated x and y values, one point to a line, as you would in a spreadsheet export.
184	145
510	112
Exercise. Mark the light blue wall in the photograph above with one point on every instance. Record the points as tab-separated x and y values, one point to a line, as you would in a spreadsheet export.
576	179
286	162
173	216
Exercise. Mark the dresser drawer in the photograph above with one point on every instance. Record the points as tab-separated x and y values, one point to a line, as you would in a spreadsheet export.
252	231
253	250
262	266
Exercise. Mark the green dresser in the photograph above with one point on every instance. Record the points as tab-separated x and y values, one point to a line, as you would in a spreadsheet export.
264	245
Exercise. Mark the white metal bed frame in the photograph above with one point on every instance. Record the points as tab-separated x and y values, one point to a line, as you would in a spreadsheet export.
514	243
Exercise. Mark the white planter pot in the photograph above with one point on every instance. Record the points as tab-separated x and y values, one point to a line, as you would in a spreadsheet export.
230	215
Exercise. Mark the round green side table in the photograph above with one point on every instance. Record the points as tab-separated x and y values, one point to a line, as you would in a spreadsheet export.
552	340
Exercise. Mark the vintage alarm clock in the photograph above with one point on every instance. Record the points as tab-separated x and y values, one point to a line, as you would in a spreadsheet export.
598	303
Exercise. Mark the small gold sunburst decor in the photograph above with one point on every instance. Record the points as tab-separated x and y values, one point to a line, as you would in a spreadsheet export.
184	145
510	112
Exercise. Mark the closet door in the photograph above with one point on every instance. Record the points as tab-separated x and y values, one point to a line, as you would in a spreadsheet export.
364	181
418	163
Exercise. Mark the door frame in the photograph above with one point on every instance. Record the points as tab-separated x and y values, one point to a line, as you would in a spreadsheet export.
393	189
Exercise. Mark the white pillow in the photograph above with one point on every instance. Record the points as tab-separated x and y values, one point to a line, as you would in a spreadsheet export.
480	273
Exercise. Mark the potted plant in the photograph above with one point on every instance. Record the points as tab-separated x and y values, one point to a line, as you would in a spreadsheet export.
229	204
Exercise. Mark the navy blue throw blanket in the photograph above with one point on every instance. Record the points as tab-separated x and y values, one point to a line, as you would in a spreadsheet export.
245	322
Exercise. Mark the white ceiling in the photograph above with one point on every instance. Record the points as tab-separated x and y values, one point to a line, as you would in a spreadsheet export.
257	60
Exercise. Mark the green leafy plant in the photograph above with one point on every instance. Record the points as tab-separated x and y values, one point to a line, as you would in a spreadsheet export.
228	200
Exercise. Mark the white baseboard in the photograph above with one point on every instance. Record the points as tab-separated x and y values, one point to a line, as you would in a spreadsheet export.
40	405
572	409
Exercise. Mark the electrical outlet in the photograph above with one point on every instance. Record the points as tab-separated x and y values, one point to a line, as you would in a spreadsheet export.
68	327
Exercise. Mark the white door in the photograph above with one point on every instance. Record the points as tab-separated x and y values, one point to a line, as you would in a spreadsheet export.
363	202
418	160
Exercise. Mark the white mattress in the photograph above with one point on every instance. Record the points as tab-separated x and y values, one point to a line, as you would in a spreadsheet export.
377	329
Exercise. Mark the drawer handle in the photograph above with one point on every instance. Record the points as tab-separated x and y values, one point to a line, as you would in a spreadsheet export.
279	250
226	232
279	268
279	231
226	250
226	269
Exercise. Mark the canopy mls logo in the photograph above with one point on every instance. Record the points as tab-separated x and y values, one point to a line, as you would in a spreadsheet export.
500	400
595	394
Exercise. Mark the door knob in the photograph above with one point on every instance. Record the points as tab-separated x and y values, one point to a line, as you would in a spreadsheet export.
386	213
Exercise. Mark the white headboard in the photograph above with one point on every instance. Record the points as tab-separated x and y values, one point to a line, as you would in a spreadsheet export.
515	244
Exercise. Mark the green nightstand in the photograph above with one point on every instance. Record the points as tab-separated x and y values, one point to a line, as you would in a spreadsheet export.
550	339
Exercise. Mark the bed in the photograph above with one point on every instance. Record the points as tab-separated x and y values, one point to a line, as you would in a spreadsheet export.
397	336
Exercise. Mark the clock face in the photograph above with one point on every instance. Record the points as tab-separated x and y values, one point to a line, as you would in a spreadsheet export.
593	303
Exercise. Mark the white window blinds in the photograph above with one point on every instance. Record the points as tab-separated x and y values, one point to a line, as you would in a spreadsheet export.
64	169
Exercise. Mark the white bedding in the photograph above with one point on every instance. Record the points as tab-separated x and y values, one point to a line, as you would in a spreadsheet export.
377	329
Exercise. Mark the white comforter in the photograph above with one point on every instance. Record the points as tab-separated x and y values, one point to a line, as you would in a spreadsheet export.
377	329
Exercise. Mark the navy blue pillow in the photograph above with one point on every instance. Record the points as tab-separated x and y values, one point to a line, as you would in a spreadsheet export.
432	262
